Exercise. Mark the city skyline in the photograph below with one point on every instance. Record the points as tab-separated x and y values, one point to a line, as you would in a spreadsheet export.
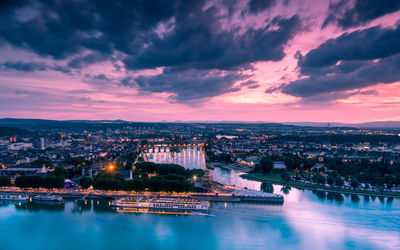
269	61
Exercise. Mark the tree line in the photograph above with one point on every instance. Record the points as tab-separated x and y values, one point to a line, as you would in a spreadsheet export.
32	181
168	177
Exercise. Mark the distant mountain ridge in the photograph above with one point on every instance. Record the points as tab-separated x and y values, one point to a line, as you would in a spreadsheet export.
376	124
7	131
27	123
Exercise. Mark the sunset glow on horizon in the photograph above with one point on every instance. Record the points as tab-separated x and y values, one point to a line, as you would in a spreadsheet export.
272	61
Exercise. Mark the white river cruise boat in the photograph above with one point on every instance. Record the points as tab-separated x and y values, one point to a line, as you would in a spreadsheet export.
161	203
48	198
14	197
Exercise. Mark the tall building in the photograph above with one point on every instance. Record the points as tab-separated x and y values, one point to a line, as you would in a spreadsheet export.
42	143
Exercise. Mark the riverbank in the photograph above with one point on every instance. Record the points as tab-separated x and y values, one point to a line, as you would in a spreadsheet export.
230	166
233	196
274	178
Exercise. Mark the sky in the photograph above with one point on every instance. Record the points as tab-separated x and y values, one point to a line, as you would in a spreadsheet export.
218	60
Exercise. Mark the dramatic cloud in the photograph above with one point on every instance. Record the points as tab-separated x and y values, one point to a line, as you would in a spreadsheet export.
348	14
181	54
188	87
63	28
31	66
177	35
257	6
198	42
349	62
368	44
86	60
370	73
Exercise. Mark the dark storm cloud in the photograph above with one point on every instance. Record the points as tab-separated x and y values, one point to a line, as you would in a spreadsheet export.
325	98
24	66
187	87
254	86
32	66
367	44
63	28
247	83
347	14
342	66
84	61
100	77
250	84
386	70
257	6
199	43
6	5
190	39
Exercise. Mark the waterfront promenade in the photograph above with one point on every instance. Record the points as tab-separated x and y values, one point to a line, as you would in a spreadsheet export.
237	196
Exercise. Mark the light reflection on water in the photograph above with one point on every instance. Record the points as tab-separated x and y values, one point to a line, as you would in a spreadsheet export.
194	158
327	220
306	220
188	158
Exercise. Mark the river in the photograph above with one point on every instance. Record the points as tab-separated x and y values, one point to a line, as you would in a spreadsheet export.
306	220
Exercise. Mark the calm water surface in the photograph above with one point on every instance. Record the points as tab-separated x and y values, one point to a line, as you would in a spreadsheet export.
306	220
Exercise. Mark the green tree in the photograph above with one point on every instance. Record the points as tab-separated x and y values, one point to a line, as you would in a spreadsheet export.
355	183
5	181
319	178
339	181
389	185
308	163
330	180
61	172
266	164
285	176
292	162
225	157
50	182
106	181
85	182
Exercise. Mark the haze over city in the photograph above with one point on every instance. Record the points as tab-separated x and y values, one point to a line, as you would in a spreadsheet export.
275	61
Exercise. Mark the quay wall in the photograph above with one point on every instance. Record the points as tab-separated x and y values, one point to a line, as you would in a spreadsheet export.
204	197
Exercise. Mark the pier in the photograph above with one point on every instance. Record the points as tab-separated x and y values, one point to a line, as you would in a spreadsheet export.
236	196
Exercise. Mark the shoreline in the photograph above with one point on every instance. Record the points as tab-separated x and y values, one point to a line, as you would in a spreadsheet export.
300	185
214	197
230	166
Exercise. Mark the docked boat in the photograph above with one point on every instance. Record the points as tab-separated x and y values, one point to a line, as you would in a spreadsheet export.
161	203
14	197
48	198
